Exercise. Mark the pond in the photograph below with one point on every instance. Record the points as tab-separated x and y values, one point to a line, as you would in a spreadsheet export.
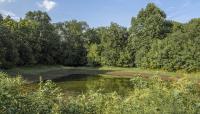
78	84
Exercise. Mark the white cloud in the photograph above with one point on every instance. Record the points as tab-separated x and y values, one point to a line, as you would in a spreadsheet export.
9	13
47	5
2	1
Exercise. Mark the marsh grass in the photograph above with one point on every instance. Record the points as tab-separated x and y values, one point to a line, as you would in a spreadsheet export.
148	96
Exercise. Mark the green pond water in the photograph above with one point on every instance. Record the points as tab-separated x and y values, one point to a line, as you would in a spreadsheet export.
78	84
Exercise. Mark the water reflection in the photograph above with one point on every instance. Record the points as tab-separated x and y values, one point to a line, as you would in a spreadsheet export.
77	84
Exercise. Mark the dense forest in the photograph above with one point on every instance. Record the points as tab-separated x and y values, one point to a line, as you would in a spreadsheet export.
152	42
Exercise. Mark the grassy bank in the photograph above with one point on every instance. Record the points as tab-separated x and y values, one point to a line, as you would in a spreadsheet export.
32	73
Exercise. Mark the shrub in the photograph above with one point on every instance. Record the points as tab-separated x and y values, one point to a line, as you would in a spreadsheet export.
147	96
177	52
13	100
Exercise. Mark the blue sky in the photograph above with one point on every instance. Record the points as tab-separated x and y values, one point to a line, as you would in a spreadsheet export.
100	12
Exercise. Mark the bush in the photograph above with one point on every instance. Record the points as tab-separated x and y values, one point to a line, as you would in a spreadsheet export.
13	100
177	52
147	96
93	55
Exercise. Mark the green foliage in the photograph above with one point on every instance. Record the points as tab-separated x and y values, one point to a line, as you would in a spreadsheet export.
38	16
93	55
73	49
8	52
46	39
152	42
147	96
113	40
1	18
125	59
13	99
150	22
179	51
149	25
46	98
92	36
25	50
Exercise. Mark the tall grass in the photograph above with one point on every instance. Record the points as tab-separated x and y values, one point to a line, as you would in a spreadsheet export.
152	96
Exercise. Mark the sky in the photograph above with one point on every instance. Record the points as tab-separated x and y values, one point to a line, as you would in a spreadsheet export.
100	12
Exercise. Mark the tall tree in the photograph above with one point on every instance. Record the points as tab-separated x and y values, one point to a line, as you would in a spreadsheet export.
45	39
38	16
193	27
1	18
73	50
25	48
91	36
8	49
113	41
150	22
149	25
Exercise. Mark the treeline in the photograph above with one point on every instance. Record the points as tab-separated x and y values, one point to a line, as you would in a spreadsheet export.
152	41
